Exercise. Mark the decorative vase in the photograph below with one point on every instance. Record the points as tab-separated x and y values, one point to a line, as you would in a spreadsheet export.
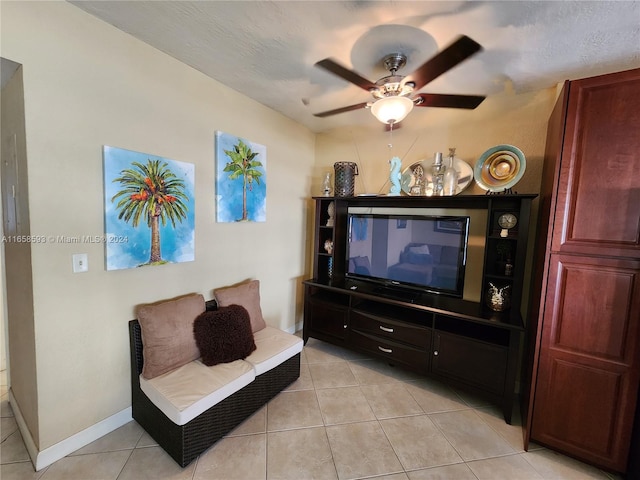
326	185
498	298
437	174
450	179
344	178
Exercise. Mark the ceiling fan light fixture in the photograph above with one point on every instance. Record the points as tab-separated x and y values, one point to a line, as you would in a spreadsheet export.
392	109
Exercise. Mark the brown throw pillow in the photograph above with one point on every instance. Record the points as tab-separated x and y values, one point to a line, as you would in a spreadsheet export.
224	335
246	294
167	333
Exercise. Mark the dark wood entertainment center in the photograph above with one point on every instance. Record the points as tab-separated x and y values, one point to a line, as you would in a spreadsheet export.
462	342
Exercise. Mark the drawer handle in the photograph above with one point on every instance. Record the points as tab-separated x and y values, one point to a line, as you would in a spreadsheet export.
385	350
344	326
435	353
386	329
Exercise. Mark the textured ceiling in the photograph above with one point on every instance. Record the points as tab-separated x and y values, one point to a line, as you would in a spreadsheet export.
266	50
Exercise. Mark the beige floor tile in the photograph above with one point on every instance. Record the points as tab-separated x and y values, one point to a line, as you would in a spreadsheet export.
372	372
361	450
390	400
433	396
449	472
470	436
513	433
19	471
146	440
124	438
303	382
511	467
5	407
472	399
300	454
234	458
8	426
550	464
322	352
393	476
13	449
102	466
351	355
153	463
331	375
344	405
256	423
418	443
293	410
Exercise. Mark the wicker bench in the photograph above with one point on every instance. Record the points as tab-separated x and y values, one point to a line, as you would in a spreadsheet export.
185	442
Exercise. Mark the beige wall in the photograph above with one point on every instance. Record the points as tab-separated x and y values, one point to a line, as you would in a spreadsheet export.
17	255
86	85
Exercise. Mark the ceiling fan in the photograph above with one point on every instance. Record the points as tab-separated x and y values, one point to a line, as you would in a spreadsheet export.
393	95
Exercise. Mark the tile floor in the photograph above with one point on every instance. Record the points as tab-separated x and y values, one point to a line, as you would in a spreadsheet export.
347	417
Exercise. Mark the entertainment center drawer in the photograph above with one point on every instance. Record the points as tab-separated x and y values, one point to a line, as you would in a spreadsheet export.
391	329
416	359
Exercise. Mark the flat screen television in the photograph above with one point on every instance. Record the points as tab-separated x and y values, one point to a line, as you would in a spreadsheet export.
408	252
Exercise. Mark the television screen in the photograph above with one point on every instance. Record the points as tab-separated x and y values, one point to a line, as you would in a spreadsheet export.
427	253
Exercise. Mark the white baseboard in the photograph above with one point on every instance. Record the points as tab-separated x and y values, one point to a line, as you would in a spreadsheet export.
294	329
46	457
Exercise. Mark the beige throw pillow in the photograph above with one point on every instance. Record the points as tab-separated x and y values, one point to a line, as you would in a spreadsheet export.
246	294
167	333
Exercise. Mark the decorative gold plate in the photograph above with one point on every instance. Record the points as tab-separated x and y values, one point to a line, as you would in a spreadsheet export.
499	168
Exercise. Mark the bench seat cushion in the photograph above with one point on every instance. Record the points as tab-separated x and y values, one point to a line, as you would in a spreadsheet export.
273	347
184	393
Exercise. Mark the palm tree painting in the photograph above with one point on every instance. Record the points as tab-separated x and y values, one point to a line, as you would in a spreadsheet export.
149	209
240	180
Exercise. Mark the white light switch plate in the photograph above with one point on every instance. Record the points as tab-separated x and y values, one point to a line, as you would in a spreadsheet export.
80	263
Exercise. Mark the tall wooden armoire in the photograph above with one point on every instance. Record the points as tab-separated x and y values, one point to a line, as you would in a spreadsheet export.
585	319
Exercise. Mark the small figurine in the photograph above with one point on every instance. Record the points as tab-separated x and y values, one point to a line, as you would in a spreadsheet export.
328	246
395	176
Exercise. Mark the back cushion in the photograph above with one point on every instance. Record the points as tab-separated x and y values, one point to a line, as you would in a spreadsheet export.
246	294
167	333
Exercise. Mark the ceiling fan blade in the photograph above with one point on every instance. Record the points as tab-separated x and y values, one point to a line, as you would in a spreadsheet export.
343	72
448	101
328	113
445	60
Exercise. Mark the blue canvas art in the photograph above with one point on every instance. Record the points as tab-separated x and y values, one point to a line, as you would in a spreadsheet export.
241	188
149	209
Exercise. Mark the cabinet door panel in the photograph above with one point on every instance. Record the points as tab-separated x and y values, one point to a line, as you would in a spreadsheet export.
480	364
589	368
599	189
569	390
327	318
591	310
